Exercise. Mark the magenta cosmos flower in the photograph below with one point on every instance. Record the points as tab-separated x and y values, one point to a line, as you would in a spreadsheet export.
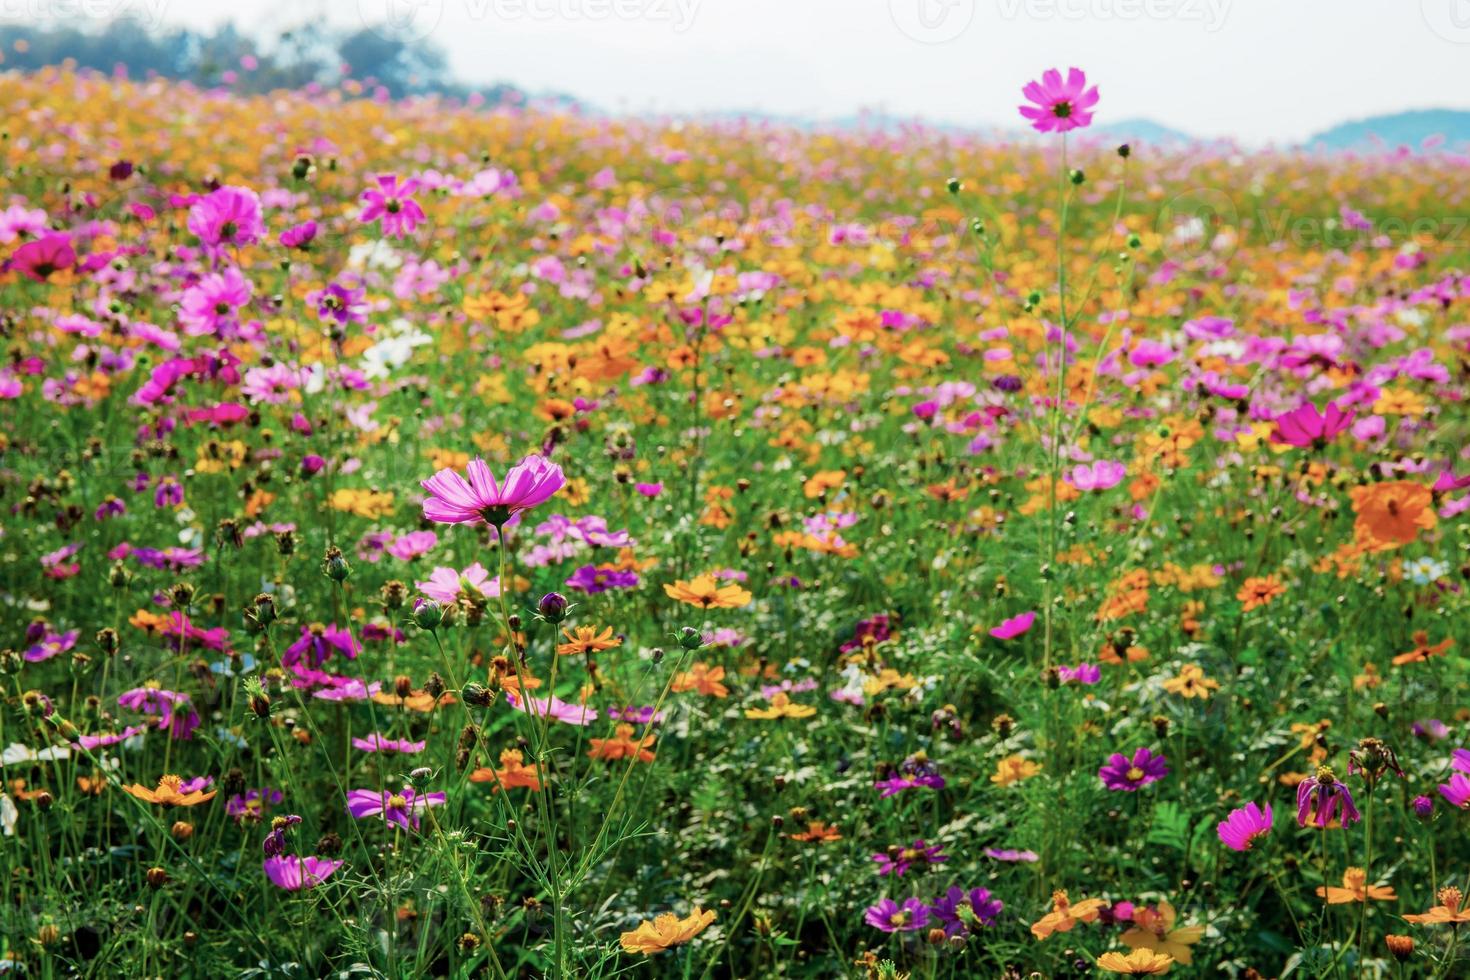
1320	798
889	916
1457	791
379	743
317	643
402	808
445	585
1011	628
392	203
1239	830
295	873
225	217
1060	106
1122	773
1305	426
453	500
41	258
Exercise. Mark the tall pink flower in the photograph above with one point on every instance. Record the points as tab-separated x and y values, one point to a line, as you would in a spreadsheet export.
453	500
1060	106
43	257
1101	475
1011	628
294	873
1243	826
1305	426
392	203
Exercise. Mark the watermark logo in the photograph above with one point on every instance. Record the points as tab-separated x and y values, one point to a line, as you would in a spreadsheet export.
401	20
1198	222
1450	19
1210	13
147	13
932	21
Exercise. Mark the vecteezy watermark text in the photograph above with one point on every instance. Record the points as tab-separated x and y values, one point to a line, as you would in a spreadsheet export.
148	13
417	19
1210	13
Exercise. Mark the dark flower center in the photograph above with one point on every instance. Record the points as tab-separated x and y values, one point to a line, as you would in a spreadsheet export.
1062	110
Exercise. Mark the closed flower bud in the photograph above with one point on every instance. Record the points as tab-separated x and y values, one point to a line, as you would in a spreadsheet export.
107	640
1402	947
402	685
328	845
157	877
434	686
477	695
427	614
118	576
953	185
690	638
553	607
260	705
334	565
393	594
182	830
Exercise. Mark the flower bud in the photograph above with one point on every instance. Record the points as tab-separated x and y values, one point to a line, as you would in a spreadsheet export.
690	638
553	607
427	614
157	877
477	695
334	565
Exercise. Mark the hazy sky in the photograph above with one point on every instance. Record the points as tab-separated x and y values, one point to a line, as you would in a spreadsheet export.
1258	70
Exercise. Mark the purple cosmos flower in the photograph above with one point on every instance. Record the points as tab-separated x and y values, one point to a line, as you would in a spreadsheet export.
89	742
593	580
1320	797
294	873
274	844
1128	775
959	909
377	743
401	808
392	203
50	645
1239	830
42	258
299	236
914	772
340	303
1080	674
317	643
637	716
173	709
898	860
1423	807
889	916
251	804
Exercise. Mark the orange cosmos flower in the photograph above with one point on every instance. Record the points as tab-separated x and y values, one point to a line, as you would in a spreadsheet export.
621	746
512	774
1422	650
167	793
1013	769
658	934
1447	911
1355	888
1257	591
1191	683
1153	930
781	707
1139	963
703	678
1064	915
415	701
707	593
816	833
587	640
1392	513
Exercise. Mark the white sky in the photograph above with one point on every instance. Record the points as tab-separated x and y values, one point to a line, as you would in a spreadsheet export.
1258	70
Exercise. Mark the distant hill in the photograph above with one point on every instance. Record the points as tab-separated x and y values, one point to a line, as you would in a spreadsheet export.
1143	131
1409	129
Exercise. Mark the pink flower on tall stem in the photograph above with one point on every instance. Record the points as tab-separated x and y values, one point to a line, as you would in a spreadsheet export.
453	500
294	873
227	216
402	808
1101	475
392	203
1306	427
1240	830
1130	774
1060	106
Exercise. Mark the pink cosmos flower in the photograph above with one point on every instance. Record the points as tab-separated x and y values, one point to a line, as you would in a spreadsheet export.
1305	426
407	547
391	203
1129	774
453	500
402	808
1456	791
556	709
446	585
213	305
41	258
294	873
1059	106
228	216
1011	628
90	742
1101	475
377	743
1239	830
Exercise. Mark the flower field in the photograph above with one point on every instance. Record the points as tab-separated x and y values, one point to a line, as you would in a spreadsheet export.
445	540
